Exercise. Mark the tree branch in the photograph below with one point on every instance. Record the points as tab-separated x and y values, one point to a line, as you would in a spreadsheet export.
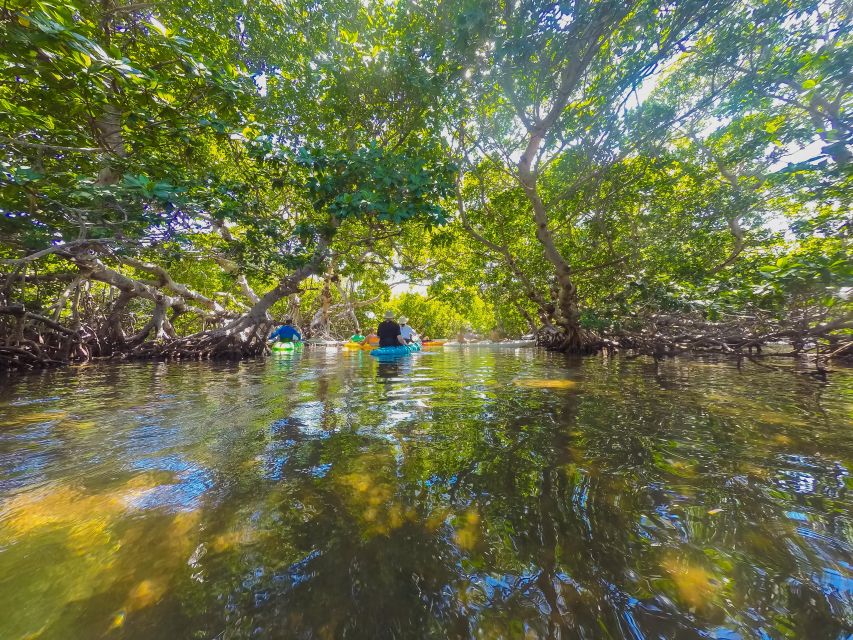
74	244
166	281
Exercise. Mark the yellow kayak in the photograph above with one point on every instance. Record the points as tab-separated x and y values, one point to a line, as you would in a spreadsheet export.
359	345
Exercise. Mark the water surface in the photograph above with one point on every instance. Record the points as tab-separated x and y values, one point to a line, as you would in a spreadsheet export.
459	493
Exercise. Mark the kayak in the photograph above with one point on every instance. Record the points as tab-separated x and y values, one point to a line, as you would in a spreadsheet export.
286	346
434	343
324	343
397	351
359	345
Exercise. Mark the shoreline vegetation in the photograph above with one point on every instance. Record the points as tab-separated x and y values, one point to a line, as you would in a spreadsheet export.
645	178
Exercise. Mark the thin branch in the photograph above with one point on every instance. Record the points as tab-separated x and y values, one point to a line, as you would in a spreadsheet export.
49	147
74	244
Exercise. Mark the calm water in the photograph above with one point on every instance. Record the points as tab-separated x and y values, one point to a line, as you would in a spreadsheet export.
457	494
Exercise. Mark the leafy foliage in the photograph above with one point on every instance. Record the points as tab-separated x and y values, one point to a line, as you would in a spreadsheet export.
526	163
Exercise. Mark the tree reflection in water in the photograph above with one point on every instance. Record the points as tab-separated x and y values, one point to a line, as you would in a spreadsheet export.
332	497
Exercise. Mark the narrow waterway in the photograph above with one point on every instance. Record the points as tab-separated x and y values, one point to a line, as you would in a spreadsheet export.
457	493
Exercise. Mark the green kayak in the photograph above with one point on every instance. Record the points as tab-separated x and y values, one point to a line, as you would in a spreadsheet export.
286	346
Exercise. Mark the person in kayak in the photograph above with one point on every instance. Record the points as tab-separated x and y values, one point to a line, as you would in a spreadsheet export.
286	332
389	332
409	334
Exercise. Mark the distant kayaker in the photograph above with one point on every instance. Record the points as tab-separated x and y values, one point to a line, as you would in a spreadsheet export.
389	332
286	332
409	334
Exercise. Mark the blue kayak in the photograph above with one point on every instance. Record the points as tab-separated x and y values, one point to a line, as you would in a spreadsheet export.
396	352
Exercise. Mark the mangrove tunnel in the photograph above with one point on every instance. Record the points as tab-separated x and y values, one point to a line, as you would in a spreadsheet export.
406	319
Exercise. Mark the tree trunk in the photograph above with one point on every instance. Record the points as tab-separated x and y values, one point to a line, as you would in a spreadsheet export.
320	323
567	335
111	140
113	333
156	325
350	307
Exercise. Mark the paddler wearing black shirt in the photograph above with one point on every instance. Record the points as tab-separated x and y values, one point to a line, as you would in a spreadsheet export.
389	332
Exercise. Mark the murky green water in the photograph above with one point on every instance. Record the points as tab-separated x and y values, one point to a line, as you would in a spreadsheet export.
459	493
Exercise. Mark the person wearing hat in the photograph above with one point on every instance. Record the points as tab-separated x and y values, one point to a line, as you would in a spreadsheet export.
389	332
409	334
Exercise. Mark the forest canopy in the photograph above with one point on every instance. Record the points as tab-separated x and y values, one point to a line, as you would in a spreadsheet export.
657	177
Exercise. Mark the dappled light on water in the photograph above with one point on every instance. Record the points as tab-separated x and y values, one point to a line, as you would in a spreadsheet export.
695	584
546	384
369	495
468	530
462	493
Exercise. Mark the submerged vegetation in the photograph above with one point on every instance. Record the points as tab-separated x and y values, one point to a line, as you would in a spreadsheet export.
646	176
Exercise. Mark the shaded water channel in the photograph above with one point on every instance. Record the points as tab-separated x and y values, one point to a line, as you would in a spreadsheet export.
460	493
